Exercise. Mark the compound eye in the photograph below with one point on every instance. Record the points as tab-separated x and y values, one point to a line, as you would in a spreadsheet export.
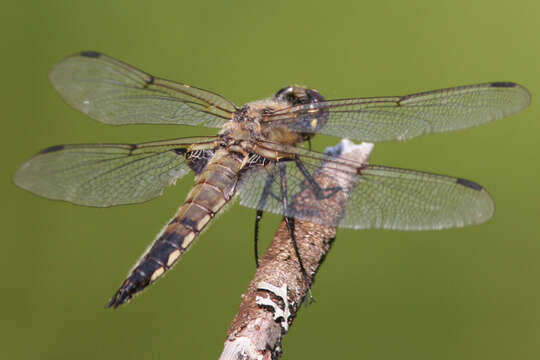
314	96
287	94
281	92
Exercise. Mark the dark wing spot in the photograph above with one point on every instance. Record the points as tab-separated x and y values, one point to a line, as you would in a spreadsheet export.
52	149
469	184
180	151
149	80
503	84
91	54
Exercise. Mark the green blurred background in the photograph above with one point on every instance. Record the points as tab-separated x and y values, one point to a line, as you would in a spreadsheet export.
469	293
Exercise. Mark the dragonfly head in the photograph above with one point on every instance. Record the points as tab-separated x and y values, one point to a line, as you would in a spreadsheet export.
312	117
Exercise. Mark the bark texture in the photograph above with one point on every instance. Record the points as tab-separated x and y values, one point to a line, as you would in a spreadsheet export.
277	290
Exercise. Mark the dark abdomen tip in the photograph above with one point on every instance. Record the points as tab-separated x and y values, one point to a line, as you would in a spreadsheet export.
123	295
90	54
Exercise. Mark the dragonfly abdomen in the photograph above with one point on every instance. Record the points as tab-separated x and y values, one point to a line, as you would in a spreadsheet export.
214	188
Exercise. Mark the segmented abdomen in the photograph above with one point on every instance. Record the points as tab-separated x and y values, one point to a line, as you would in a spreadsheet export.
214	188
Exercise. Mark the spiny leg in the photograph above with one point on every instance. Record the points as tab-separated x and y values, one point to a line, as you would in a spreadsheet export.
262	201
318	190
289	221
258	218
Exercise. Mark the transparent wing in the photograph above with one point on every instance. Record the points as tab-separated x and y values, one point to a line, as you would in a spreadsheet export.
116	93
406	117
109	174
382	197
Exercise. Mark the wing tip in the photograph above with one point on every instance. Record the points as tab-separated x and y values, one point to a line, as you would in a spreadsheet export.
485	203
526	94
57	69
18	178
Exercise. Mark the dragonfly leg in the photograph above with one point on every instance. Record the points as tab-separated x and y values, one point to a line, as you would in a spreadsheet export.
319	191
289	221
258	218
262	202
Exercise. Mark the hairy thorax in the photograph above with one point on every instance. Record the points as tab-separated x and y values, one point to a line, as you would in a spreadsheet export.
265	128
251	123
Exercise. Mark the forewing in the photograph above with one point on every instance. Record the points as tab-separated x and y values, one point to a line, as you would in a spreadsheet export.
406	117
109	174
116	93
382	197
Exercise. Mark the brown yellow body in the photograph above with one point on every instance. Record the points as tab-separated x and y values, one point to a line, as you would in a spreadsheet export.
214	188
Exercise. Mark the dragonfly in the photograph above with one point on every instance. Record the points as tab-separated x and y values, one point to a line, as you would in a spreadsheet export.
259	155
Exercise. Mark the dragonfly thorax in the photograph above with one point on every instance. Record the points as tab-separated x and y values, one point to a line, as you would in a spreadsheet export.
251	123
258	121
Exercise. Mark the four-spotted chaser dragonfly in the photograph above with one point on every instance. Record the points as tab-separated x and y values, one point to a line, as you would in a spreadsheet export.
256	155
